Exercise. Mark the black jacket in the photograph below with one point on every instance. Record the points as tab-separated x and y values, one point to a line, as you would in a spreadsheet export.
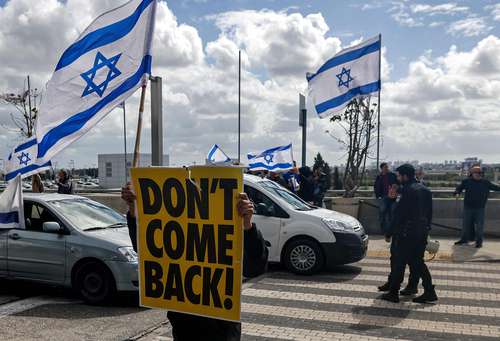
378	187
412	214
187	327
476	192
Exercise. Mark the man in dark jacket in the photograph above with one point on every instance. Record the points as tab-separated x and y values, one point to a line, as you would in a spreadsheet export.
382	185
306	182
477	191
187	327
409	230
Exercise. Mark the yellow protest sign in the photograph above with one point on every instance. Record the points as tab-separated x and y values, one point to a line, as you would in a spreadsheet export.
190	239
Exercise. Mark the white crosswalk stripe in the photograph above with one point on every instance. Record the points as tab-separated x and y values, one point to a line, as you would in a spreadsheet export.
368	302
481	296
407	323
478	266
288	333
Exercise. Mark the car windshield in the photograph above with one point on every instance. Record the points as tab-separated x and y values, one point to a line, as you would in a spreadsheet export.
286	195
88	215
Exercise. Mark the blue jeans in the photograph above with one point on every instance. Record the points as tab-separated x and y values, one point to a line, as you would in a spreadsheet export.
385	213
473	224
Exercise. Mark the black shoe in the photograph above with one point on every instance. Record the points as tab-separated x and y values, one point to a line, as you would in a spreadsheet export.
427	296
391	296
478	246
408	291
461	242
384	287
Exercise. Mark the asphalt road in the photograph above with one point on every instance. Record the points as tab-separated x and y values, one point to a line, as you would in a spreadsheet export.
340	304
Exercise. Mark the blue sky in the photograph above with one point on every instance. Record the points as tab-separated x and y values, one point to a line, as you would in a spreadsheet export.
349	20
441	71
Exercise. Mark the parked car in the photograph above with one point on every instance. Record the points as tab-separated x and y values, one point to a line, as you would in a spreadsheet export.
71	241
303	237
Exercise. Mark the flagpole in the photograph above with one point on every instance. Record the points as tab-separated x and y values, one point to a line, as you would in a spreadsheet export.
139	126
125	139
239	106
378	104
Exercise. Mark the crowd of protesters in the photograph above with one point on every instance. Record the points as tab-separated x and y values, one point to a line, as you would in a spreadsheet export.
309	184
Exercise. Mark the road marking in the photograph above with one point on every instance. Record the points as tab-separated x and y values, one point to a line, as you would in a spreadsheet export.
287	333
371	288
362	319
437	281
447	273
435	264
30	303
7	299
373	303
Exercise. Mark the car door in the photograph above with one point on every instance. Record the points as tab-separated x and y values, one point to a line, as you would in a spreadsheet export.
3	252
270	224
33	253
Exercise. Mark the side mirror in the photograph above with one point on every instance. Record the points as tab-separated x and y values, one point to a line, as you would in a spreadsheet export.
261	209
52	227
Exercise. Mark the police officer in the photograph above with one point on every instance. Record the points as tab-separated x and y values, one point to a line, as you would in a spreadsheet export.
409	231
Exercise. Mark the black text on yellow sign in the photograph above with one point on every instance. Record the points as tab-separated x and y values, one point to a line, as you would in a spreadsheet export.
190	239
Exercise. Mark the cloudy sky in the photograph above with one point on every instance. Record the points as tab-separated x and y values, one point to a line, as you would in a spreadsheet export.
441	73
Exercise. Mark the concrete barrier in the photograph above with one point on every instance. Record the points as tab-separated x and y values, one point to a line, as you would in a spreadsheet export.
447	212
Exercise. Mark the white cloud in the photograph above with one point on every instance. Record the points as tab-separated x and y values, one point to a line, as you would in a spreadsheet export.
283	43
445	105
495	11
442	101
441	9
469	27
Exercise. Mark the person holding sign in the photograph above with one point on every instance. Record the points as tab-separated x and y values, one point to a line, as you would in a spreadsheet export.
191	327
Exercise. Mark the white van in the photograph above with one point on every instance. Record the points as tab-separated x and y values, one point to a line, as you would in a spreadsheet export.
303	237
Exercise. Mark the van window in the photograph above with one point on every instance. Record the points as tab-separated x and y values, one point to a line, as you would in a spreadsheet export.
292	199
258	197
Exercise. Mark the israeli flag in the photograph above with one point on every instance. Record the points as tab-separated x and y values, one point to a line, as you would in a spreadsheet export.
275	159
108	63
22	161
11	205
216	155
351	73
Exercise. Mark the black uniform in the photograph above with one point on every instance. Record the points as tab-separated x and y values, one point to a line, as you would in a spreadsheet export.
187	327
409	231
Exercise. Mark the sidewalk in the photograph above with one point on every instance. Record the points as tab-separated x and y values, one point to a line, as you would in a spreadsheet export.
490	252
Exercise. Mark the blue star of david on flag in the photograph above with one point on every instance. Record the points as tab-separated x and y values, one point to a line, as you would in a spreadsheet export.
340	76
269	158
100	62
24	158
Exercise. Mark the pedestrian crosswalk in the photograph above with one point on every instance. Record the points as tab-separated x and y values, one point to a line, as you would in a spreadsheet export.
343	304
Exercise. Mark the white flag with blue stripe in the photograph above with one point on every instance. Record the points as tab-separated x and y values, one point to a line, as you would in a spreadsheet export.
22	160
216	155
275	159
108	63
11	205
351	73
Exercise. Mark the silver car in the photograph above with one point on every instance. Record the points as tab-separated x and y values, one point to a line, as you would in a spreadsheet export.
71	241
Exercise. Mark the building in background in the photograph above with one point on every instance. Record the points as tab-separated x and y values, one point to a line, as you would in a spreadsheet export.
112	168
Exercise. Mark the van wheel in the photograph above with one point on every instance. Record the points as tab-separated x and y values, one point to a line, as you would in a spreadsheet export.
95	283
304	257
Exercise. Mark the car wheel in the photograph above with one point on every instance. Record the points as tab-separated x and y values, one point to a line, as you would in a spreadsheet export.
95	283
304	257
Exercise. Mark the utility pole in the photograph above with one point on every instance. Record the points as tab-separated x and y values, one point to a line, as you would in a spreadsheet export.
156	122
239	106
303	124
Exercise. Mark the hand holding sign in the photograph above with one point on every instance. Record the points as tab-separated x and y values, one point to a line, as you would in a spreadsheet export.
245	210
